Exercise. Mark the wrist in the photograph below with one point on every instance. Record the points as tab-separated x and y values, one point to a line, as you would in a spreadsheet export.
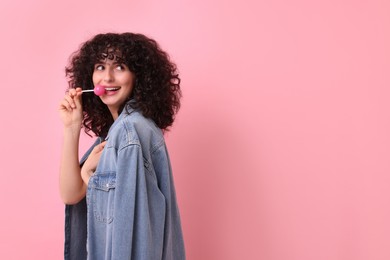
72	129
86	175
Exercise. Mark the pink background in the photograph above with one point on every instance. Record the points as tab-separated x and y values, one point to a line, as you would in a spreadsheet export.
280	151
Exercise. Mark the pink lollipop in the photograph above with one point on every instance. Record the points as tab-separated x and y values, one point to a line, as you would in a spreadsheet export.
98	90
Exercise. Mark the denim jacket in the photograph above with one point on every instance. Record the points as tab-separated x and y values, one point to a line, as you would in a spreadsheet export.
130	210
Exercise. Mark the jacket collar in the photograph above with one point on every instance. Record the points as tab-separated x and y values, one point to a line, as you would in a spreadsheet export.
127	110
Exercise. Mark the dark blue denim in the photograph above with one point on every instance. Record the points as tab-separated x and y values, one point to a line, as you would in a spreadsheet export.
76	224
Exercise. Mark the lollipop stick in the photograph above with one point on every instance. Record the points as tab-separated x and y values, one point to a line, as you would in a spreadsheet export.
87	90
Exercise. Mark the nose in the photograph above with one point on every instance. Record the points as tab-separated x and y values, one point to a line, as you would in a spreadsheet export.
108	75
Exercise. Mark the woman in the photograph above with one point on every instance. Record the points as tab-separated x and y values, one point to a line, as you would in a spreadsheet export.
122	188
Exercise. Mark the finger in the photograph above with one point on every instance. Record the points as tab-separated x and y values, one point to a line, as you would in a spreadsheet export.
77	97
72	92
70	100
70	97
65	105
77	100
98	148
102	145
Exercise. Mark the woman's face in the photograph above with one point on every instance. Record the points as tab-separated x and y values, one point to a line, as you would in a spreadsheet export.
117	80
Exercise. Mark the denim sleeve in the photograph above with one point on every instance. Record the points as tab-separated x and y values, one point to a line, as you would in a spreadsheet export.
173	236
139	229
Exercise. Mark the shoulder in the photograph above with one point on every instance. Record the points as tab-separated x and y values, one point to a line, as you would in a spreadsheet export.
134	128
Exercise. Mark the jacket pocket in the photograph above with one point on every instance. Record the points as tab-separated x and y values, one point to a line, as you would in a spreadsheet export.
103	193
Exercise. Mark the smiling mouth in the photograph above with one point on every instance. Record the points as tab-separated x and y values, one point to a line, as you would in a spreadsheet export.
112	89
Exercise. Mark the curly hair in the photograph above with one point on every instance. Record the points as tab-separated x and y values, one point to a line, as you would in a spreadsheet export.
156	89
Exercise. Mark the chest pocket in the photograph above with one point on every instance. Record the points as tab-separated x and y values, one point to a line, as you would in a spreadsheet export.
102	193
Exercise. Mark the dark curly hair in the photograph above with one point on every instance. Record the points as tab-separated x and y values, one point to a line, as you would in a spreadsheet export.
156	89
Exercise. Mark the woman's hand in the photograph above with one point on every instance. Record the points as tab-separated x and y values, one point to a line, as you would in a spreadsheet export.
91	163
71	110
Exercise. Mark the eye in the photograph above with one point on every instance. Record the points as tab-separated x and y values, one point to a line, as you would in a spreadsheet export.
99	67
120	67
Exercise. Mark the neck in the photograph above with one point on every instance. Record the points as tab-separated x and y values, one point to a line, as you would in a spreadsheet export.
114	113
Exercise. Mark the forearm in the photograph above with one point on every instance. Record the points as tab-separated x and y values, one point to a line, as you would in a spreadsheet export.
72	187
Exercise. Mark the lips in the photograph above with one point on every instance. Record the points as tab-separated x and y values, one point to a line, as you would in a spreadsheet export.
111	90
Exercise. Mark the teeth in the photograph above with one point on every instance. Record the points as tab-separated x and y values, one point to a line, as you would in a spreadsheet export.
111	89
